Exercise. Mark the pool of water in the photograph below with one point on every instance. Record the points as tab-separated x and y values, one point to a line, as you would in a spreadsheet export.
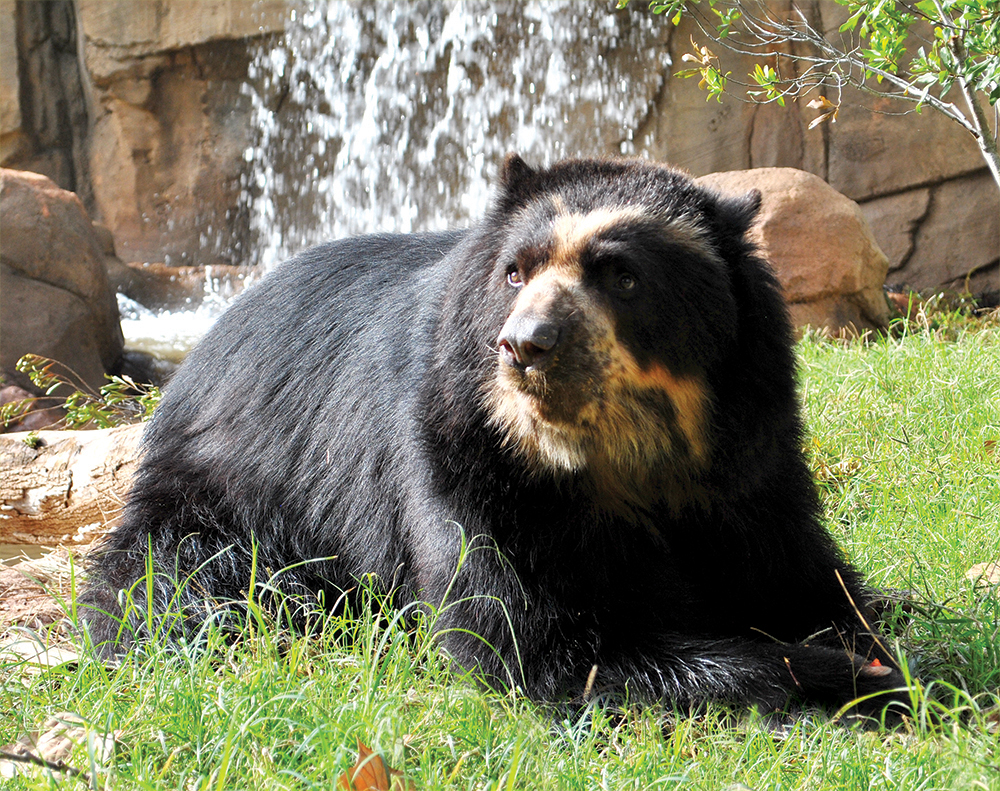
167	334
12	554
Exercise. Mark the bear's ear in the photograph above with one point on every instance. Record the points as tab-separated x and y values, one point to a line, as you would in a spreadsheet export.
513	171
736	215
752	201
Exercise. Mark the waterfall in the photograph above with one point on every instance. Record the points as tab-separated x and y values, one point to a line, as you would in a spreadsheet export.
394	116
389	116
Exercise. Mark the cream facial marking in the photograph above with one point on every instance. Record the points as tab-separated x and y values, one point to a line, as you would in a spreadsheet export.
571	233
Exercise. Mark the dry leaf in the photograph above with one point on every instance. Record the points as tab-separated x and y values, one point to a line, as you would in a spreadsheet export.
984	574
704	57
828	111
831	117
990	446
370	773
821	103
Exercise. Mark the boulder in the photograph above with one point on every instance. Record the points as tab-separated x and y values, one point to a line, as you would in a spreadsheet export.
56	298
822	249
64	487
34	416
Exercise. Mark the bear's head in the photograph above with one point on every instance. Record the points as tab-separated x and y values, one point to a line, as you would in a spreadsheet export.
615	279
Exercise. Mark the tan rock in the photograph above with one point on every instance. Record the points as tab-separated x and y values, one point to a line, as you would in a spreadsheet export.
166	166
876	151
56	298
985	574
10	100
119	32
688	131
824	253
67	490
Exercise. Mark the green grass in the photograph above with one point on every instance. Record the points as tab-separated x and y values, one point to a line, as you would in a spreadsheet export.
900	440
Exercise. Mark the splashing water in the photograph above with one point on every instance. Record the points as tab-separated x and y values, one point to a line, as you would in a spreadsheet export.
169	334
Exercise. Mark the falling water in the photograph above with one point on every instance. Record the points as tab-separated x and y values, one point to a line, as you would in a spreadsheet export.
391	116
394	116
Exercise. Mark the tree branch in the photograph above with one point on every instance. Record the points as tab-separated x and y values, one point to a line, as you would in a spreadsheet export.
769	30
55	766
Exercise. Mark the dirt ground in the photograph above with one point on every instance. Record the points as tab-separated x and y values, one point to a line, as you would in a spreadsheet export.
30	591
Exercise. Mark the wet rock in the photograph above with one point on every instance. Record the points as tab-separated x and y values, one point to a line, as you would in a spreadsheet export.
44	108
161	287
56	299
167	143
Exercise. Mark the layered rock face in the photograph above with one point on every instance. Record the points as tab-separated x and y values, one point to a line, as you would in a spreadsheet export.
138	108
44	118
170	123
147	111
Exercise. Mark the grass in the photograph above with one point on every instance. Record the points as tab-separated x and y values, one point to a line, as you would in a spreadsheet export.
901	441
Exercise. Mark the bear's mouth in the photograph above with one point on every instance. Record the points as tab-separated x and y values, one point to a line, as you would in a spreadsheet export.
557	392
591	408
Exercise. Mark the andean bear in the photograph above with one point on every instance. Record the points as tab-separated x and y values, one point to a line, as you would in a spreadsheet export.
571	431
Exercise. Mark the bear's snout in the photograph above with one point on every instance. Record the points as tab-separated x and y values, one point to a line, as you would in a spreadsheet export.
528	341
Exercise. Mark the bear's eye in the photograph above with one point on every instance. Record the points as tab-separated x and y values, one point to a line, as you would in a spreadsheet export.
625	282
514	278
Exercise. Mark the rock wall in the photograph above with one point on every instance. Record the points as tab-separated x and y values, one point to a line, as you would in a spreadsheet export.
143	109
170	122
43	109
919	178
138	108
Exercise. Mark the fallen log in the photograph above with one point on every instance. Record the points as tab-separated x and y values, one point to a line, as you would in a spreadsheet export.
64	487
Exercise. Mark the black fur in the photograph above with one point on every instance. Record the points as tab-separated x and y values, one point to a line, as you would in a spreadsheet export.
336	412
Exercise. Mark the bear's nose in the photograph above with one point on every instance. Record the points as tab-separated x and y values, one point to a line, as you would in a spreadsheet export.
526	340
